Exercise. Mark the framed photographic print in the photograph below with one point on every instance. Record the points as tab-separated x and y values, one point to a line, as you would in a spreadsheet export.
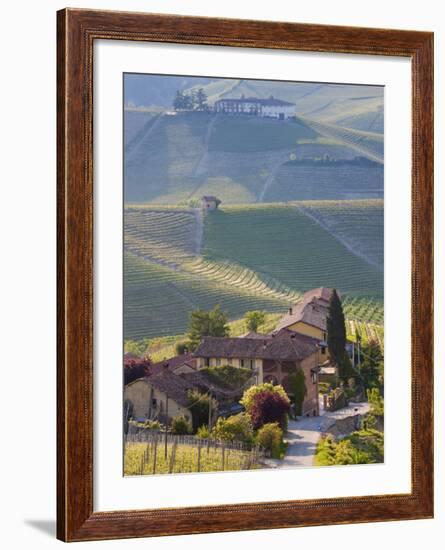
244	275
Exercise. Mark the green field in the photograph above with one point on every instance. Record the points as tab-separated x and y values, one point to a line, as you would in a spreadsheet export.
248	257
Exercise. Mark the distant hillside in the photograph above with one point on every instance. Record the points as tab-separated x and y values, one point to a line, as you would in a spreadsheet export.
175	159
352	106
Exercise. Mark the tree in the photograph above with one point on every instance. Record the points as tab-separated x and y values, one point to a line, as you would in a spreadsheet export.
269	407
376	402
270	437
137	347
336	329
247	400
179	101
254	319
206	323
297	384
198	405
234	428
371	365
200	100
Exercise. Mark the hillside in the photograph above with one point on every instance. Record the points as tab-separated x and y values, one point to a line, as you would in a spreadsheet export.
356	107
176	159
244	258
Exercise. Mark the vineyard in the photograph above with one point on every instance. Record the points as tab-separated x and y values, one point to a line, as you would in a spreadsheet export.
252	257
368	144
300	182
357	224
158	300
186	454
281	242
366	332
173	159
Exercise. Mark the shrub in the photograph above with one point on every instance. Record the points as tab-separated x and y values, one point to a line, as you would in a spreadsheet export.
376	401
180	426
249	395
181	348
270	437
203	432
269	407
234	428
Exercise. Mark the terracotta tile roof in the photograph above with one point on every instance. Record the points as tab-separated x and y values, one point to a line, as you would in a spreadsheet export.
262	101
312	310
289	346
174	362
171	384
210	198
201	382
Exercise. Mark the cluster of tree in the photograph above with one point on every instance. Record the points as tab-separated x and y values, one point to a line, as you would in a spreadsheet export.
361	447
138	369
371	365
205	323
195	100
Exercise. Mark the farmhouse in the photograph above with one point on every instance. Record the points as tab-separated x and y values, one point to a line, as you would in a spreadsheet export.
309	317
162	396
270	107
210	202
271	357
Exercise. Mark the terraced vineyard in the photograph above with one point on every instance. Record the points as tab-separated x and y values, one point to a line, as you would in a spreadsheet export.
357	224
158	300
281	242
252	257
169	237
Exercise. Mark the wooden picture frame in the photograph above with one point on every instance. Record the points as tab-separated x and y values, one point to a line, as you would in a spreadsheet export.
77	31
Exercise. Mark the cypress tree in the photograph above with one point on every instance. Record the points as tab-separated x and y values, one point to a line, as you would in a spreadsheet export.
336	329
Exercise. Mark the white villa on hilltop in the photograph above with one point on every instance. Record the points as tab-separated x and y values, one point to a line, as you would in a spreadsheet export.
270	107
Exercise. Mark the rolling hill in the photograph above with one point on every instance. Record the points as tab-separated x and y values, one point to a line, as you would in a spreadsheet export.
244	257
177	159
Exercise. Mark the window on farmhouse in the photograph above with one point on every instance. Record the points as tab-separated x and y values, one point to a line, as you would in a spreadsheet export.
207	362
241	362
218	362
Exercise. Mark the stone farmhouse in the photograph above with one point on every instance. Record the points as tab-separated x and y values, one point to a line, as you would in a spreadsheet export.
298	342
271	357
270	107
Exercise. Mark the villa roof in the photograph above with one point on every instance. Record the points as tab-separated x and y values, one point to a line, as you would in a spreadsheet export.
169	383
283	347
270	101
173	363
312	310
210	198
